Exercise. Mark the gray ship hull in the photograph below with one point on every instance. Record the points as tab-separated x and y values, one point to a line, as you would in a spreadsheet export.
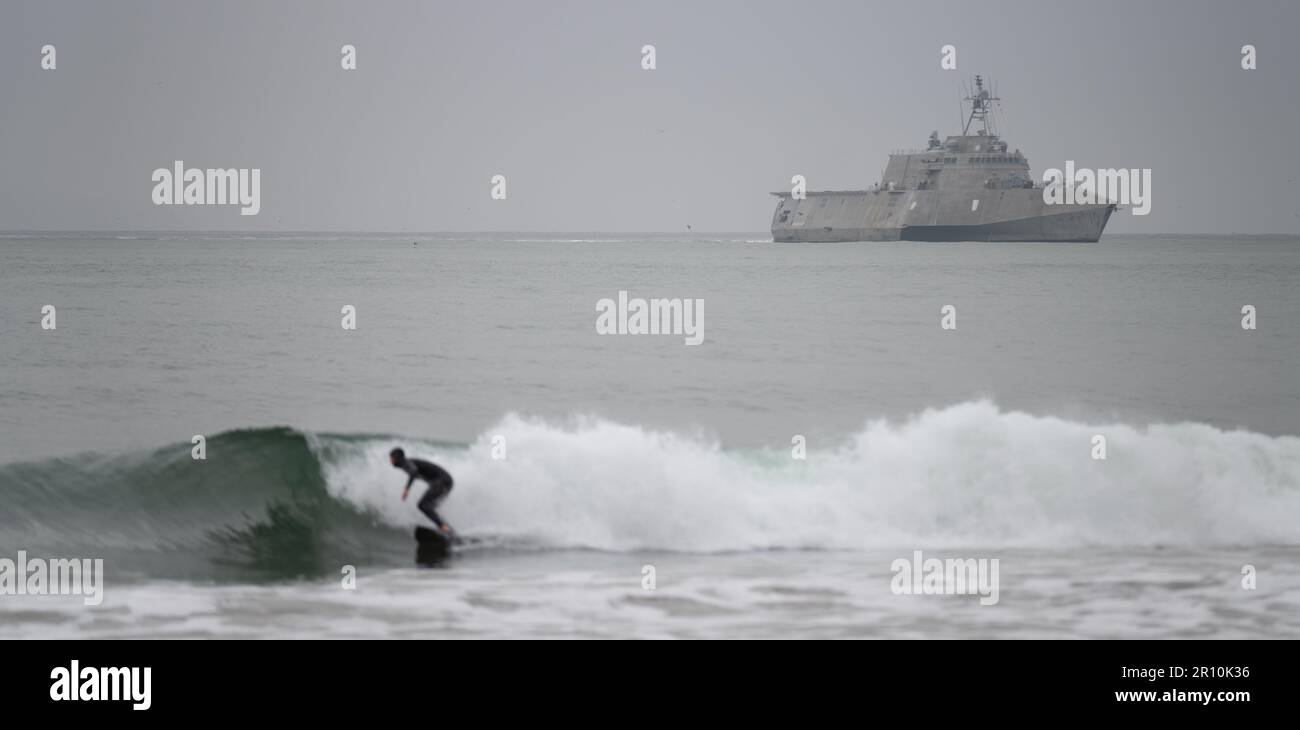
932	215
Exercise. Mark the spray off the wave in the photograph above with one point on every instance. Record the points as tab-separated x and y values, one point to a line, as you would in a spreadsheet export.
965	475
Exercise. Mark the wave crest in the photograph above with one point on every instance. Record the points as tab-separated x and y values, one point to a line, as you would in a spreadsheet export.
278	503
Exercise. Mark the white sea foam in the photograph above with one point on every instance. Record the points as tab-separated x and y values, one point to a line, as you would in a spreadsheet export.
965	475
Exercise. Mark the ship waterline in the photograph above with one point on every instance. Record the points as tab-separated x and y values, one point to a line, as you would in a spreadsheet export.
928	215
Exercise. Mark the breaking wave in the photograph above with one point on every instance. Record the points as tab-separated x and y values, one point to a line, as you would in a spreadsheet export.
275	503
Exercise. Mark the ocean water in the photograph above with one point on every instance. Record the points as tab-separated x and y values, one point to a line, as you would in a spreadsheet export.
584	463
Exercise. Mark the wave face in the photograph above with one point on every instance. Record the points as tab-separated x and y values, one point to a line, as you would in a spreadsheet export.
257	508
277	503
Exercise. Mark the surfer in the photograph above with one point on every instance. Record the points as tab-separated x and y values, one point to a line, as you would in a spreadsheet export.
436	477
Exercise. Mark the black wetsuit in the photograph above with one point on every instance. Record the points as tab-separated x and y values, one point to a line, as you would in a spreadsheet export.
439	482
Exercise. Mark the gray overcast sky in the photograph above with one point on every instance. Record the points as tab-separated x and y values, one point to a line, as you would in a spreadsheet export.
552	95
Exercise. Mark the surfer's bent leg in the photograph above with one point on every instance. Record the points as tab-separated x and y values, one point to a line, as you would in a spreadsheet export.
429	502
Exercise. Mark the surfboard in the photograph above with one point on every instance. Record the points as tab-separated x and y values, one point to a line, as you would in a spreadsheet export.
427	535
432	546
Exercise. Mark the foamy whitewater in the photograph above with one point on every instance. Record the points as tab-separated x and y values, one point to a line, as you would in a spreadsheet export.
959	476
649	489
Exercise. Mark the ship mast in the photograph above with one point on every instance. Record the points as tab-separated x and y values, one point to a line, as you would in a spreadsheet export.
981	103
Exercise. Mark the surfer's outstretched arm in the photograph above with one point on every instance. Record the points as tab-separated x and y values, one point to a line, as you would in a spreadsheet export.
397	458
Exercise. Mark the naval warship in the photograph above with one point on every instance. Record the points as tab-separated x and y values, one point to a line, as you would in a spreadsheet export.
967	188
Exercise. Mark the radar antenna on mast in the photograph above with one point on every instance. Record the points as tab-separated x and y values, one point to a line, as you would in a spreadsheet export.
981	104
